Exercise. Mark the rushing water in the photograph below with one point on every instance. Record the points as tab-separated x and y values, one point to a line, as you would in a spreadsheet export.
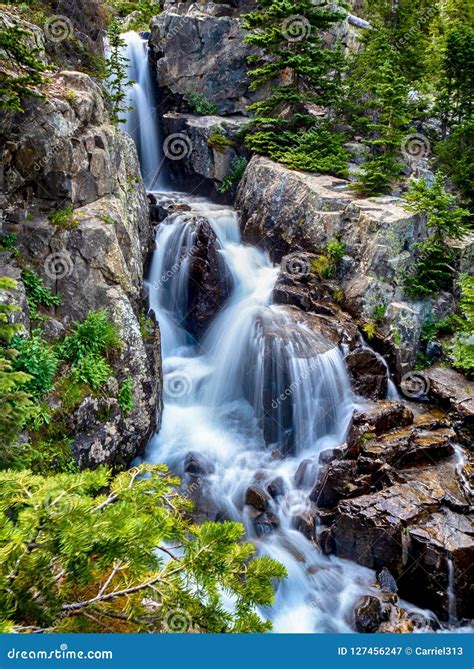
257	396
141	120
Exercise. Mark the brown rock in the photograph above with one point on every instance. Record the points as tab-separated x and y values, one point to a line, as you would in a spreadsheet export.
257	497
368	373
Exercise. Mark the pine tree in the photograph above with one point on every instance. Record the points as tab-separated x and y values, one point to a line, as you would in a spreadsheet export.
21	68
433	270
294	71
90	552
378	108
116	69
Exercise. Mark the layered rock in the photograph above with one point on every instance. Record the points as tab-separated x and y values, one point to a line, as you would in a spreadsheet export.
93	257
288	212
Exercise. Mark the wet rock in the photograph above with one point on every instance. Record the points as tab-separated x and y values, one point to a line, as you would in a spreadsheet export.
266	523
208	281
410	446
198	464
452	389
304	472
337	481
386	581
276	488
368	373
384	416
369	614
257	497
306	524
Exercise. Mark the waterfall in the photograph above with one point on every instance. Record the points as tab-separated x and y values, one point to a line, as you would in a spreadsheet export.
257	396
142	122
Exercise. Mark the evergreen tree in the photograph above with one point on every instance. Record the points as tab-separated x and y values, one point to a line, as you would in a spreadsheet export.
433	270
21	68
294	71
89	552
116	68
377	106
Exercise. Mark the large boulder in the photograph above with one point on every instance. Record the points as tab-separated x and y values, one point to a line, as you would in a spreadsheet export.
451	389
368	373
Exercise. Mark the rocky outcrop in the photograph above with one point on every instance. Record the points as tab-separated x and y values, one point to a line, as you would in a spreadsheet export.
213	145
202	50
81	221
288	212
403	505
452	390
368	373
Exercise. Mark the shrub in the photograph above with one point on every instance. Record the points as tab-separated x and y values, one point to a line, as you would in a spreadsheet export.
233	177
38	360
200	105
91	369
463	347
96	335
125	396
218	140
64	218
37	293
109	540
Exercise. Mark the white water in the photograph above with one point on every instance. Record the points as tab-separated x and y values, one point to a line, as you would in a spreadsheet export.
142	121
258	385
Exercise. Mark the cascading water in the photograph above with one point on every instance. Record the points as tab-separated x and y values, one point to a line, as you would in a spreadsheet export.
142	121
259	394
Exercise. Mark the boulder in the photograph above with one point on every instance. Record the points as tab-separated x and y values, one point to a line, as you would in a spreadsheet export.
257	497
368	373
384	416
451	389
369	614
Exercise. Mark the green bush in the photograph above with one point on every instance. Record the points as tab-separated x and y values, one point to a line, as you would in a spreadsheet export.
233	177
64	218
38	360
218	140
91	369
200	105
37	293
96	336
456	157
463	347
125	396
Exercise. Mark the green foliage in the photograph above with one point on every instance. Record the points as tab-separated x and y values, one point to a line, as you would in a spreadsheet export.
218	140
143	9
377	105
7	329
379	313
294	69
326	265
8	243
21	68
64	218
456	157
96	336
462	351
457	82
37	359
116	70
81	552
92	370
370	329
200	105
37	293
125	395
233	177
433	270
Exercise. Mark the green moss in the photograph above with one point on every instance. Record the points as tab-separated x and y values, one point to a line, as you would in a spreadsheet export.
218	140
64	219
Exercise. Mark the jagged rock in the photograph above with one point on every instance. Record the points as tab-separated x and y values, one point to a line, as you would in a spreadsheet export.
452	389
384	416
306	524
198	464
382	530
369	614
207	158
410	446
337	481
52	330
276	487
257	497
386	581
368	373
202	53
265	523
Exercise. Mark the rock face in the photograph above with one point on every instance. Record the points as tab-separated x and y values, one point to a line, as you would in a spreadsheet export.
213	146
288	212
402	505
202	50
368	373
452	389
95	259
